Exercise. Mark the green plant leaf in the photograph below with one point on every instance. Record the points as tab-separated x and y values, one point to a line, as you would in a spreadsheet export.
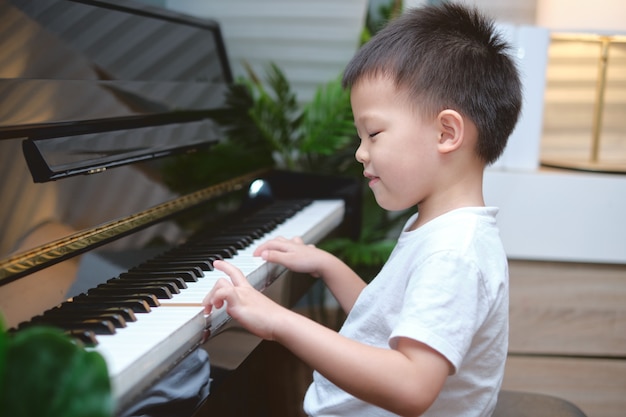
48	375
277	115
328	120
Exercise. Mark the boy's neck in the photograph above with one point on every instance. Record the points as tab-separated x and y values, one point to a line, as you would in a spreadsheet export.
463	191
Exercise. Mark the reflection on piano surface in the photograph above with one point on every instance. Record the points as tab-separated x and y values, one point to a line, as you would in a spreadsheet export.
110	257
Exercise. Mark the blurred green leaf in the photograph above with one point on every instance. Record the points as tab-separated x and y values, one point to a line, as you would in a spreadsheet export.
328	123
47	375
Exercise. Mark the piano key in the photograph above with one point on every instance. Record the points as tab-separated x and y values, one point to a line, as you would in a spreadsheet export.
197	271
86	337
171	286
187	276
149	299
98	326
225	252
84	309
115	318
156	263
173	256
175	281
136	305
160	292
233	243
253	231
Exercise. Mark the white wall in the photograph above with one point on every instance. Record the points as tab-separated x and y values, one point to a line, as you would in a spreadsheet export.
519	12
530	50
311	41
559	215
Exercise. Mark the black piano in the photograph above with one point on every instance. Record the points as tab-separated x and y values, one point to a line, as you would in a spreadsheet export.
94	97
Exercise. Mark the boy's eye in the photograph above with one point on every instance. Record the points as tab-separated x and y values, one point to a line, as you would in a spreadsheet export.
371	135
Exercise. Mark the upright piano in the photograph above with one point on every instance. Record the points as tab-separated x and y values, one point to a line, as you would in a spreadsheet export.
95	95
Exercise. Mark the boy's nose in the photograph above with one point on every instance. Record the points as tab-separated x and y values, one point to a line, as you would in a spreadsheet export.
361	154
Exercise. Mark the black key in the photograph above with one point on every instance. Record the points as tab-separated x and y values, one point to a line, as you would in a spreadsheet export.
171	286
86	337
136	305
83	308
230	242
156	263
147	294
191	257
116	319
95	325
187	276
131	291
196	271
255	231
207	250
173	281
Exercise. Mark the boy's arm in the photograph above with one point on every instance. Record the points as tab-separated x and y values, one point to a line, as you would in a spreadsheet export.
405	380
342	281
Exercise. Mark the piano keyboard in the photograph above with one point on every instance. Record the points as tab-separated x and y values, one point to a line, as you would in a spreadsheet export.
156	336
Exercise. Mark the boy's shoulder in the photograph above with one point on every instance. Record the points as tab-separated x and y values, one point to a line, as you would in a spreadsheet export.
459	231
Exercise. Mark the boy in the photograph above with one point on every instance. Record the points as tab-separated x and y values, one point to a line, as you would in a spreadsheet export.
434	98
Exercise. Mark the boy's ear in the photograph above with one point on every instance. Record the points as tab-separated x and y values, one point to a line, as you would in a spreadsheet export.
451	130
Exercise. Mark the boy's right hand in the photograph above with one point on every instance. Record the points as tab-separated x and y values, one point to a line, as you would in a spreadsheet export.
293	254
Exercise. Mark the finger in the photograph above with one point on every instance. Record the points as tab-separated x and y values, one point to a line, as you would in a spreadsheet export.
209	300
235	274
279	244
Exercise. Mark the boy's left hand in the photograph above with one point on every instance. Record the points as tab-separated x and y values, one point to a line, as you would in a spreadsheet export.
253	310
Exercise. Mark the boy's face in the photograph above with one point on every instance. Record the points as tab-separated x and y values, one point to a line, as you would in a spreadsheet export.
398	147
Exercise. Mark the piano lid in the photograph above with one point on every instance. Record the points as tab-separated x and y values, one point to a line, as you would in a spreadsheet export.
91	85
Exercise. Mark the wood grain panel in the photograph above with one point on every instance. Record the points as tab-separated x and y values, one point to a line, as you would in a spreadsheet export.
597	386
568	334
567	308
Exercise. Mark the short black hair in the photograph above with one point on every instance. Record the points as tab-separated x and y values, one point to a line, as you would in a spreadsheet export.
448	56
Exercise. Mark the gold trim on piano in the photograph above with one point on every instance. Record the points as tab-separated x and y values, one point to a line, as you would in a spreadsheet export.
56	251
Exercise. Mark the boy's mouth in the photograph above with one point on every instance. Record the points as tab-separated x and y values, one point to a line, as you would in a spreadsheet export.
373	179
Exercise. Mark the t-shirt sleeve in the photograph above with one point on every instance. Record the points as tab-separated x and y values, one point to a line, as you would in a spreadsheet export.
443	306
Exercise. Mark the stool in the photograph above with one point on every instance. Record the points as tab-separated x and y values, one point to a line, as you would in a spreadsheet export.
526	404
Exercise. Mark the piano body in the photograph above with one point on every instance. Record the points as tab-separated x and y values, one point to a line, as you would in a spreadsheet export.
93	95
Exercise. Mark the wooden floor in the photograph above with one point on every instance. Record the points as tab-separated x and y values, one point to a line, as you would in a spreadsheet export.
567	339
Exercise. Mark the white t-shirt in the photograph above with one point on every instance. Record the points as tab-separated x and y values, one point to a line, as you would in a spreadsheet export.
445	285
